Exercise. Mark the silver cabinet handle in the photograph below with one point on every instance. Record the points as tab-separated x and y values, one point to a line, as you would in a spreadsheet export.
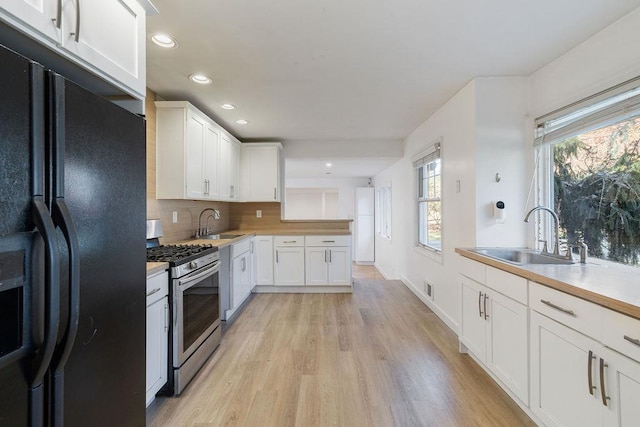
232	191
480	304
557	307
289	241
325	255
77	33
58	19
276	255
589	372
274	193
632	340
603	392
330	255
328	241
153	292
244	264
486	315
166	317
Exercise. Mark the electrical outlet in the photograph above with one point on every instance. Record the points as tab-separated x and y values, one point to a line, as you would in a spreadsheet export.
175	217
258	213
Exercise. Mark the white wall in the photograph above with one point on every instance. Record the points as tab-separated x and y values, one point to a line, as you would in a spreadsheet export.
484	131
346	191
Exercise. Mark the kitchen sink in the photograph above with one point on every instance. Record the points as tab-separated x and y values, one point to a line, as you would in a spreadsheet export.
222	236
522	256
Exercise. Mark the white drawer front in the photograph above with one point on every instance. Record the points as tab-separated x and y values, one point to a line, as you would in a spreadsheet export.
576	313
240	247
473	269
288	240
328	241
157	287
622	333
508	284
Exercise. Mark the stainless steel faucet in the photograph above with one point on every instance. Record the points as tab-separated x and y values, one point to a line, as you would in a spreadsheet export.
556	228
204	231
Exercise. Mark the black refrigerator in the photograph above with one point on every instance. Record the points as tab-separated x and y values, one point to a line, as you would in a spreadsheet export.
72	253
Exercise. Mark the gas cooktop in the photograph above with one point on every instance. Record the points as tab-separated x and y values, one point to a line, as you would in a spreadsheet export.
179	254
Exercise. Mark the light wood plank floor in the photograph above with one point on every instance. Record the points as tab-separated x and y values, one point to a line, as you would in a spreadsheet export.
377	357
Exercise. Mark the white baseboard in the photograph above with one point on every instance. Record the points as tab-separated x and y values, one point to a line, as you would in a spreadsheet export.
381	270
452	324
266	289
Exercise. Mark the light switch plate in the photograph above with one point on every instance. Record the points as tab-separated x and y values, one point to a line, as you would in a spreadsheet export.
175	217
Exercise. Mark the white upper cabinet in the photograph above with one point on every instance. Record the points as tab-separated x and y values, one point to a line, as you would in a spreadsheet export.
106	37
228	169
188	145
260	165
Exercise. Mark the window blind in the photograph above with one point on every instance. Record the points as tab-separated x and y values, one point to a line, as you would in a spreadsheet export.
427	155
614	105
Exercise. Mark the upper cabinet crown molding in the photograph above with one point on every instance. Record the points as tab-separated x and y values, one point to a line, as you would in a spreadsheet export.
107	38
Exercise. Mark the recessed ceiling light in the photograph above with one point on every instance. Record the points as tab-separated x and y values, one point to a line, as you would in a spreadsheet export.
228	106
164	40
328	165
201	79
242	122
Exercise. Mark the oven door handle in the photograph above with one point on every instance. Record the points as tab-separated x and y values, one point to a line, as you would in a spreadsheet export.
187	282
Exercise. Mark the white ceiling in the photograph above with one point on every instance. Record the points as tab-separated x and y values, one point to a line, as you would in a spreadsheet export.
338	71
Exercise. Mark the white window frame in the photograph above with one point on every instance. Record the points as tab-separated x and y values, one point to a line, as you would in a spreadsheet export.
383	211
614	105
428	155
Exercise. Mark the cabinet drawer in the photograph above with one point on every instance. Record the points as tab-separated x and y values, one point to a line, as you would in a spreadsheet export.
328	241
574	312
473	269
622	333
240	247
157	287
288	240
508	284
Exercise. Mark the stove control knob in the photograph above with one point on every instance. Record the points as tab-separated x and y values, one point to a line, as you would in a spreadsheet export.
193	265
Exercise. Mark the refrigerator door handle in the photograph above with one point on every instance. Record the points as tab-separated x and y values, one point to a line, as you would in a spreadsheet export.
63	219
51	316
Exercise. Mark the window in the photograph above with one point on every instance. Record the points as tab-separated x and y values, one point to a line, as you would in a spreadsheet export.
589	172
383	211
429	198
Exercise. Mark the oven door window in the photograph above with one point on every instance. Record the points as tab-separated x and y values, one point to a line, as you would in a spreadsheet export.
200	309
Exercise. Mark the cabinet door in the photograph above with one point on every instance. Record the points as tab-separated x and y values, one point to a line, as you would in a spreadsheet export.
289	266
234	171
240	280
473	324
224	168
196	184
210	161
109	35
560	375
339	273
39	18
264	260
621	380
316	266
260	171
157	342
508	343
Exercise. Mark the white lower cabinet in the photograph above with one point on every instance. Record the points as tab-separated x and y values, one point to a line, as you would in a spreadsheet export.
157	344
241	281
564	390
263	260
288	266
328	260
622	386
495	329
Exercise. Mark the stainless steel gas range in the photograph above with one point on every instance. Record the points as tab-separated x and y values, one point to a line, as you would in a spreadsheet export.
195	310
